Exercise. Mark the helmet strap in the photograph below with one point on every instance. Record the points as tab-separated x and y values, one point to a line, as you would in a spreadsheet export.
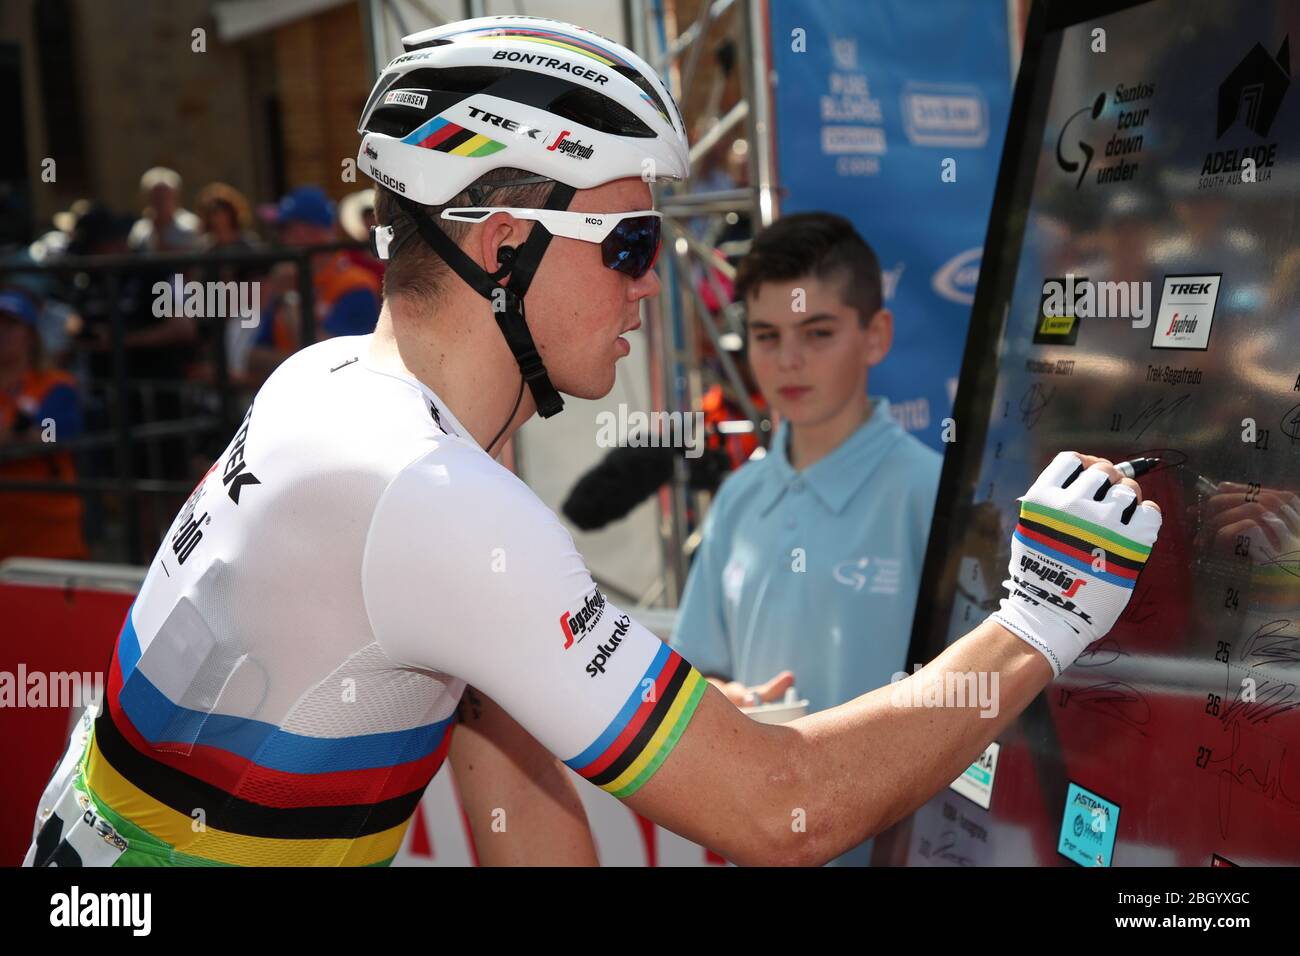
508	300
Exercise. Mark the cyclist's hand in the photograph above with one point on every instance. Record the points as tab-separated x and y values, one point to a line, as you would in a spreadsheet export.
1083	536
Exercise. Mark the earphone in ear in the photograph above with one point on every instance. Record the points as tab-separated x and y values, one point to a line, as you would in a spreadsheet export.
505	255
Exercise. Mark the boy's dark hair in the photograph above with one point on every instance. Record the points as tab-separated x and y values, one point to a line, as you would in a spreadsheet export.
818	244
416	271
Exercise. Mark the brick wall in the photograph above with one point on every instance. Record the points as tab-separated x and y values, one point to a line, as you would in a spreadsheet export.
322	83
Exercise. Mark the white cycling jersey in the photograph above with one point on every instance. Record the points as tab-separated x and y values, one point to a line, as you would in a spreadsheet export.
290	669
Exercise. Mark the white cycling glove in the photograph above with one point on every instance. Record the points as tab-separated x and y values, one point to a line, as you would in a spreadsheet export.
1077	550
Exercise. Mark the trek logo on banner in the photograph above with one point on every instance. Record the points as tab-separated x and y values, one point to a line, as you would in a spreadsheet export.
1186	312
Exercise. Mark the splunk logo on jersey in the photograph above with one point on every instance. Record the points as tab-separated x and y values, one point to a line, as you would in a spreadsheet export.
578	624
605	650
1067	582
236	476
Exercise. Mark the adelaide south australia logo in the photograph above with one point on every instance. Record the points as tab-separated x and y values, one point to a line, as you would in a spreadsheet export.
1249	100
1084	132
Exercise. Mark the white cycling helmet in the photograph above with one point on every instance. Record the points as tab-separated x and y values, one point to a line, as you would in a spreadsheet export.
525	92
562	103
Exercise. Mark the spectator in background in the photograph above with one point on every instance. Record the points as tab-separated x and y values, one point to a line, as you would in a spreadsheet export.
225	219
159	348
38	406
227	227
347	296
164	226
811	556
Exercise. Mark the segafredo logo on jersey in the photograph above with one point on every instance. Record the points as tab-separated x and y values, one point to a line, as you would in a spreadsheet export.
578	624
1067	582
418	99
605	649
570	147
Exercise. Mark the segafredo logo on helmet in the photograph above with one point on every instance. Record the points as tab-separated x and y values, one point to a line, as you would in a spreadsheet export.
571	147
519	129
371	152
551	63
578	624
418	99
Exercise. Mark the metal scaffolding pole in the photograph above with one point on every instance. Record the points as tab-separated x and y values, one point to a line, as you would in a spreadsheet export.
674	370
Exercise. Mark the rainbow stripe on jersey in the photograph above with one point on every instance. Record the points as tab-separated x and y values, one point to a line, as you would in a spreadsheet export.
646	728
263	796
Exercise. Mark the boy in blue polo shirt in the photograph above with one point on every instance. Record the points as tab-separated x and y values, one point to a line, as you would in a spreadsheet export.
810	560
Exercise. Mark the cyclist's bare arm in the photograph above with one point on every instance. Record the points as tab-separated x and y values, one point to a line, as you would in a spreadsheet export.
517	615
804	792
521	804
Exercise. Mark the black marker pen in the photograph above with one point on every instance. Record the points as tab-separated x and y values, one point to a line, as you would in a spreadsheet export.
1138	466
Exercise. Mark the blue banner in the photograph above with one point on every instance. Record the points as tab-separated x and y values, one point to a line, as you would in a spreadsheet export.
892	113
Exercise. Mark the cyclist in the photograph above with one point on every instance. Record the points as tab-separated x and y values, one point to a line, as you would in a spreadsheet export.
286	682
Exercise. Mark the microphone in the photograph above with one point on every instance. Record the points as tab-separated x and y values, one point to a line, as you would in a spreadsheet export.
618	483
628	476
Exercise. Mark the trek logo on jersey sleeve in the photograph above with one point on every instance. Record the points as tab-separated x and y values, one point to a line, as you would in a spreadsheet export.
578	624
235	477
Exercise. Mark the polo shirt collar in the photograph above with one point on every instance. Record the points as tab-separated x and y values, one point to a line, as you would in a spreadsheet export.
837	477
